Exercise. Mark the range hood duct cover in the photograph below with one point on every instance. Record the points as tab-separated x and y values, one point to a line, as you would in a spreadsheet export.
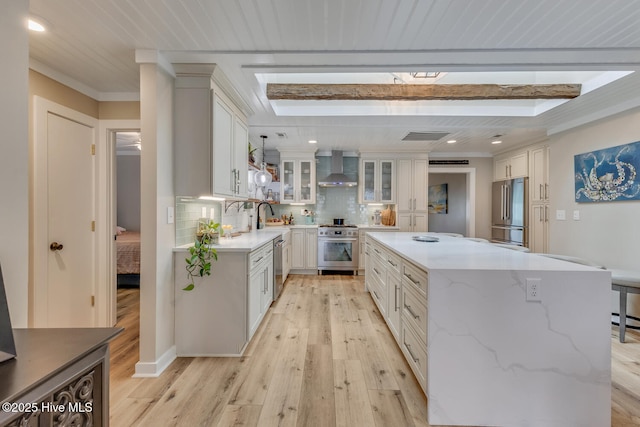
337	178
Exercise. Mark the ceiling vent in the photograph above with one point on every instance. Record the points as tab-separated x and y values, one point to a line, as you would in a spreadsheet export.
281	134
425	136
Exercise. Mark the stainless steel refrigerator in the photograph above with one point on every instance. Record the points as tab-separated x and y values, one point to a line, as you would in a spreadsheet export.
509	212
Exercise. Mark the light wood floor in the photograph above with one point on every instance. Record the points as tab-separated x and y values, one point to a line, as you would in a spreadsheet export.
322	357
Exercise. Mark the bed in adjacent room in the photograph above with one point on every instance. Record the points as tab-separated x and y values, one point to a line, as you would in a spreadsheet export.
128	257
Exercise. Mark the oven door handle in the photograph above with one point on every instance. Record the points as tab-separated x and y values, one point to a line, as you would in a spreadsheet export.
337	239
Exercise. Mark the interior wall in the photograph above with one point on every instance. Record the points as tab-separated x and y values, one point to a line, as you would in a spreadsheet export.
14	159
606	232
52	90
484	179
455	220
157	342
128	201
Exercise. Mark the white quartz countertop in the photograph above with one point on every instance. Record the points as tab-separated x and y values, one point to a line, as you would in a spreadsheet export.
460	254
378	227
245	242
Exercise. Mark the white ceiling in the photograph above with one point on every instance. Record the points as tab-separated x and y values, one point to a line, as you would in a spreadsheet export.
91	46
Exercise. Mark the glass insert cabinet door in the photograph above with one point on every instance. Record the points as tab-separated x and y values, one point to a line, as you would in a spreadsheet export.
386	180
288	181
369	181
306	182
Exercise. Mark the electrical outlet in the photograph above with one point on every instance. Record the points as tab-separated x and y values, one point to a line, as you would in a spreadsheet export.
534	290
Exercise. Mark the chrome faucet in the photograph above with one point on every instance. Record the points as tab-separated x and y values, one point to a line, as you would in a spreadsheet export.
258	227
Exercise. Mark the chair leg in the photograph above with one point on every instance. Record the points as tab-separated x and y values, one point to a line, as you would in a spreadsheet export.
623	312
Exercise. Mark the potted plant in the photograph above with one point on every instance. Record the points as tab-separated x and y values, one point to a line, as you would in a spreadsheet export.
199	263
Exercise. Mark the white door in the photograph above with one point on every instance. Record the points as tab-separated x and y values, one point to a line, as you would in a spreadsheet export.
65	254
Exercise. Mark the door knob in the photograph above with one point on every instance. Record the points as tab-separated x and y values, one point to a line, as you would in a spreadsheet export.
55	246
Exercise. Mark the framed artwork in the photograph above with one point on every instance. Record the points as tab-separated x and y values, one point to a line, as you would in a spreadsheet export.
608	175
438	199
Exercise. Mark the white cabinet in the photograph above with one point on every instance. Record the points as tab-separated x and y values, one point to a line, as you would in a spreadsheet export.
304	249
260	284
539	228
383	281
511	166
298	178
539	176
539	199
211	137
413	198
377	181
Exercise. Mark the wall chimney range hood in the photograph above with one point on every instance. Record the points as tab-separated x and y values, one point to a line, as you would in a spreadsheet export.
337	178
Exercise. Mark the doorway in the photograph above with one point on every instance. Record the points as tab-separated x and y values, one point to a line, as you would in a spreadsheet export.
463	199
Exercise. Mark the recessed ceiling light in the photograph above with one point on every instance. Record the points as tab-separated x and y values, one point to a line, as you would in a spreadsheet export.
313	141
36	26
496	142
451	141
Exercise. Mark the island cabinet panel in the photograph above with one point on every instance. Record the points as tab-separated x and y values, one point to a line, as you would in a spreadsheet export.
220	315
486	353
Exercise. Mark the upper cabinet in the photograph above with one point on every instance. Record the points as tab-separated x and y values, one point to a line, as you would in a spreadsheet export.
211	135
413	198
539	175
298	177
511	166
377	181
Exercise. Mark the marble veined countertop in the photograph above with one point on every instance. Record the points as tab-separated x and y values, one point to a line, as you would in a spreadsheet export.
461	254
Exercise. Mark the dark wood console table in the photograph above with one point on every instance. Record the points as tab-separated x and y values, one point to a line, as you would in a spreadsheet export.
60	377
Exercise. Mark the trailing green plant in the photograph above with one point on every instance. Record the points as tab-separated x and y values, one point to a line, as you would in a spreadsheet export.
202	253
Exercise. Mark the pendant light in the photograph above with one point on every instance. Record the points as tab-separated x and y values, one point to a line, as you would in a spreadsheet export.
262	178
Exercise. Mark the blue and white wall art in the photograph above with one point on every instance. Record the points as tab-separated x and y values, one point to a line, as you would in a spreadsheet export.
608	175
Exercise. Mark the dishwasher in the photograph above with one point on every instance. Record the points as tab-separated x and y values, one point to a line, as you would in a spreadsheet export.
278	270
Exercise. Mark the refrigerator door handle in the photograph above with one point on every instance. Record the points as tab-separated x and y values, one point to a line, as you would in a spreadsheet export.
502	201
508	202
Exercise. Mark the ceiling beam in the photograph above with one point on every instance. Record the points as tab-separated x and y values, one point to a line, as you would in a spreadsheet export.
419	92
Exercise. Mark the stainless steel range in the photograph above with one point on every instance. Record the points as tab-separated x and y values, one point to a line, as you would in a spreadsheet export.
338	248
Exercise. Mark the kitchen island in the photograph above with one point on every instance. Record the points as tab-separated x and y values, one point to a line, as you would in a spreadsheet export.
498	337
221	314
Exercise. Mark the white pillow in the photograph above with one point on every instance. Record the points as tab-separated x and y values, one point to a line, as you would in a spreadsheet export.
119	230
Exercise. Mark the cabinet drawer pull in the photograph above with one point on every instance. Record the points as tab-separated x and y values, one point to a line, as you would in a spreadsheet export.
258	260
392	263
411	312
376	270
376	249
408	347
376	294
408	276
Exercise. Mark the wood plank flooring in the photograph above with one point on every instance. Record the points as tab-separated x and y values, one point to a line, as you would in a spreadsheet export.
322	357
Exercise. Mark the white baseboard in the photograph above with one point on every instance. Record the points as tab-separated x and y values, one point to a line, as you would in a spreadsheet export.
154	369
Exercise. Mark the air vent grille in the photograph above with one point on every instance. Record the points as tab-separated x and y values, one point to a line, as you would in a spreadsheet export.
425	136
281	134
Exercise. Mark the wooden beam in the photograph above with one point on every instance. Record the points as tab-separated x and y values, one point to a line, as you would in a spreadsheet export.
422	92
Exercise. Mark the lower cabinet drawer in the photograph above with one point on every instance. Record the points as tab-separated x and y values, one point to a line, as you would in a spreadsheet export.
415	352
378	295
414	311
418	278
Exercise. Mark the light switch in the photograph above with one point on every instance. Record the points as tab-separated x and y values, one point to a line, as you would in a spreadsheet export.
561	215
576	215
170	215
